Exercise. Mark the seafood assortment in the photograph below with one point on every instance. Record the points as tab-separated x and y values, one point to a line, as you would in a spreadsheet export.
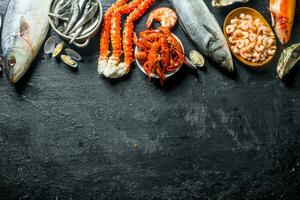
282	13
250	38
222	3
288	59
25	27
159	52
204	31
112	67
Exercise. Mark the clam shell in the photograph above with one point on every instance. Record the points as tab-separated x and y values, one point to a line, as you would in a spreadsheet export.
73	54
49	45
58	49
196	58
69	61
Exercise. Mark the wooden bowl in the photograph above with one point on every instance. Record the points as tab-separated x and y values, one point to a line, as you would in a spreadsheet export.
255	14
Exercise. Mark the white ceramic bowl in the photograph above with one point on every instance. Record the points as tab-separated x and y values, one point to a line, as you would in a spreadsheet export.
169	73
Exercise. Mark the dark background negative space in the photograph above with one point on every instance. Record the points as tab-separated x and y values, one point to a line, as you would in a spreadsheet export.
206	135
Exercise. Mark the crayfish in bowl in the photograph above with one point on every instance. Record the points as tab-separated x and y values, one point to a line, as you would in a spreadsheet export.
159	53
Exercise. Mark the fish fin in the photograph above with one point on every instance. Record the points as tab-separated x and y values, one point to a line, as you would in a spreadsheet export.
273	18
24	30
24	27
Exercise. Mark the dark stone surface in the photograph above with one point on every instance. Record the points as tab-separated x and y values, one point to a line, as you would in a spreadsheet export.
73	135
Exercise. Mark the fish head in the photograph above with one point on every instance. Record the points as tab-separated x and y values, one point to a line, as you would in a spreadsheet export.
221	54
17	57
224	58
288	60
283	30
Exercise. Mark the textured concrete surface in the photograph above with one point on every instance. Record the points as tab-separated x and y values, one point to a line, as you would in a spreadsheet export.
73	135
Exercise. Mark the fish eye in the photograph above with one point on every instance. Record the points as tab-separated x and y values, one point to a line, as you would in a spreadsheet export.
11	62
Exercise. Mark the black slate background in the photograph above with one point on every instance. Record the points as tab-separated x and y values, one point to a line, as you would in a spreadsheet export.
207	135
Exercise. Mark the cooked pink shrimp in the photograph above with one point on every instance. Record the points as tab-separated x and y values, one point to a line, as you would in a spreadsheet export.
230	28
252	37
236	34
234	21
231	40
240	43
244	26
235	49
166	16
245	53
272	51
259	47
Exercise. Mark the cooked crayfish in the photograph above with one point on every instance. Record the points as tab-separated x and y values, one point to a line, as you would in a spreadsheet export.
159	52
282	13
114	69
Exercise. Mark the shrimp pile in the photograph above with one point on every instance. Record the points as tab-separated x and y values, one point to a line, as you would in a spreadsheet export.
112	67
251	38
159	52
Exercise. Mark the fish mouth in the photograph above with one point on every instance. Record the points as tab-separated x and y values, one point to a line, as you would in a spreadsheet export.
283	35
228	64
13	74
223	58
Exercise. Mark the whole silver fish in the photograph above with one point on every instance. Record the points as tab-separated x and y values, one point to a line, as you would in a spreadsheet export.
25	27
288	59
222	3
203	29
88	13
59	7
74	14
